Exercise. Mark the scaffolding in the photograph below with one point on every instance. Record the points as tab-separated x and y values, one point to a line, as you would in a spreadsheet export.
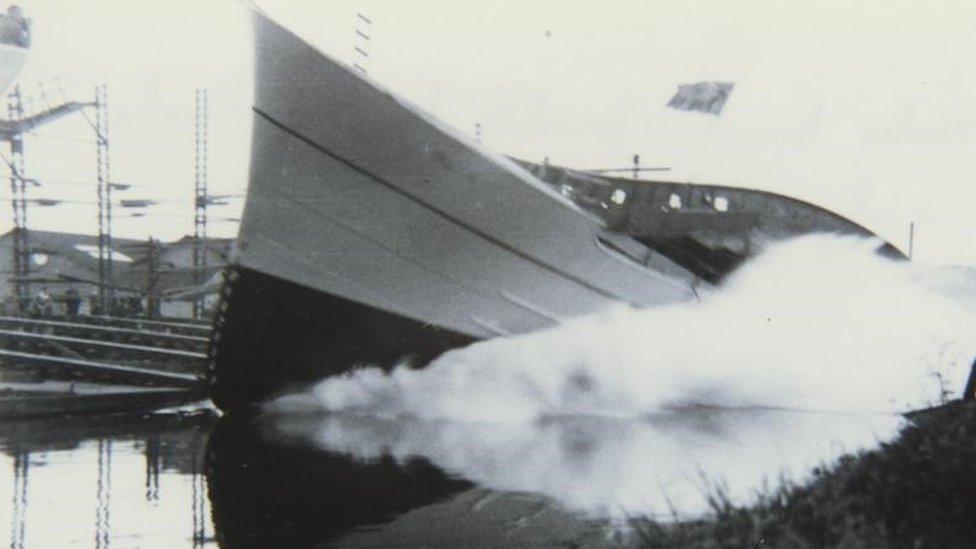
18	192
106	293
12	130
200	200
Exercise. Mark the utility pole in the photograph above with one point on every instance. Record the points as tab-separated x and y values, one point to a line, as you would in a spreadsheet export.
200	200
477	132
636	166
18	188
152	278
106	293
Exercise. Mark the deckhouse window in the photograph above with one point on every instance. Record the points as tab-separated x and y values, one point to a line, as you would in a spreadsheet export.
618	196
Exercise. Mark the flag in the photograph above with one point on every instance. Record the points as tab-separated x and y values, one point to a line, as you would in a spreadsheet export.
708	97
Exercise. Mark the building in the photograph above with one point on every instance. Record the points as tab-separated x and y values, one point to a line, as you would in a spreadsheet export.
159	275
180	283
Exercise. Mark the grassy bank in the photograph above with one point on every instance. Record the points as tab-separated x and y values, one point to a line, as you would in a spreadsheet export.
917	491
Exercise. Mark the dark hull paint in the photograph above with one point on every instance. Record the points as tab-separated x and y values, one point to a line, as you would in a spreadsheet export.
283	336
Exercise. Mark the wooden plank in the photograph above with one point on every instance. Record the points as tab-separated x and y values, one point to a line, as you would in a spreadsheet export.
183	325
101	367
105	329
107	344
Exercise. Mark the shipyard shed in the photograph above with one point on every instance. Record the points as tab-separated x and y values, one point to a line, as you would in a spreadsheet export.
61	261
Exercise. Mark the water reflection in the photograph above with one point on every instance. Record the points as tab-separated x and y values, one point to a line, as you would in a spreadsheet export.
274	491
610	468
266	493
188	480
109	481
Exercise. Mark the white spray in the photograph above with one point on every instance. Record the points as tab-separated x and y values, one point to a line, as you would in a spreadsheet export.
819	322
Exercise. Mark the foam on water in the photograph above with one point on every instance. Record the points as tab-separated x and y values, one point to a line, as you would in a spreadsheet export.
664	466
819	322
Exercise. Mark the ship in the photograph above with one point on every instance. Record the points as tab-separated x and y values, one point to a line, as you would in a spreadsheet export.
375	234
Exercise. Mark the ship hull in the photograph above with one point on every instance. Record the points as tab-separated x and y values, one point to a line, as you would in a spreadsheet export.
373	234
277	336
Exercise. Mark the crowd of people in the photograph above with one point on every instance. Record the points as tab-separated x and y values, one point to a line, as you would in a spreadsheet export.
70	302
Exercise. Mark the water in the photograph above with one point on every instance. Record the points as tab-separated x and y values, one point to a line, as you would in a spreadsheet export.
193	480
610	468
106	482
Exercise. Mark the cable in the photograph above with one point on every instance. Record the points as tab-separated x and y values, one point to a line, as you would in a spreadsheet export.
62	138
78	183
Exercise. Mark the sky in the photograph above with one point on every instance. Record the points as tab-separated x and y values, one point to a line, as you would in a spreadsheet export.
867	108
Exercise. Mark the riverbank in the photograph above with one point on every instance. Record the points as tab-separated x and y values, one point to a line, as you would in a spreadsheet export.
916	491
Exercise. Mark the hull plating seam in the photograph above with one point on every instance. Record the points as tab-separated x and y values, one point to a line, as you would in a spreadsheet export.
437	211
